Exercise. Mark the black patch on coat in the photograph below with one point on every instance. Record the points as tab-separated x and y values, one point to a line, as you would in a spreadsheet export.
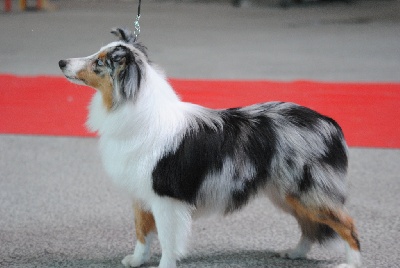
302	117
306	181
180	174
336	156
310	120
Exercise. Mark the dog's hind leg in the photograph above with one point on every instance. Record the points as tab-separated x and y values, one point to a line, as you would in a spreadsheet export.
145	230
300	251
337	220
311	232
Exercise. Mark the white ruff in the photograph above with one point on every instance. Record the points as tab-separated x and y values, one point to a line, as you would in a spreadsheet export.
137	134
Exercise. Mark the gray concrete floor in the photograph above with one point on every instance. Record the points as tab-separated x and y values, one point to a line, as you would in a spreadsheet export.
59	210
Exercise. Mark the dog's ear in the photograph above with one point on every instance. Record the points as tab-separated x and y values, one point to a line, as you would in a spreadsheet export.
120	55
131	81
124	35
126	72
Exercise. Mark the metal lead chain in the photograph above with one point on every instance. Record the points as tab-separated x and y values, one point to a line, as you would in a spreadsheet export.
136	24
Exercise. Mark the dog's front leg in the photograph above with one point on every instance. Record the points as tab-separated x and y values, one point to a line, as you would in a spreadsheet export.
145	230
173	221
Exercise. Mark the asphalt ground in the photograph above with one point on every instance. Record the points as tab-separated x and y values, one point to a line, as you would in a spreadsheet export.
58	208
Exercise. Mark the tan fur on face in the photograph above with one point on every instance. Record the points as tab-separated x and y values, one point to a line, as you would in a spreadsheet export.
103	83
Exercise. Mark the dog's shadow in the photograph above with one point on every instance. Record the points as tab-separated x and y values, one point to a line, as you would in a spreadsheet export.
224	259
242	258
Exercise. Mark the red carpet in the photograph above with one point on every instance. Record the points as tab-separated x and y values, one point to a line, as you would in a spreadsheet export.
368	112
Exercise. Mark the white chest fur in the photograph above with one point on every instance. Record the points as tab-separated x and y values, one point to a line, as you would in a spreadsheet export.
129	163
133	139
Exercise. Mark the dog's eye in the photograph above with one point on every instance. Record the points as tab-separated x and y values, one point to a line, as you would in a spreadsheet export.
99	62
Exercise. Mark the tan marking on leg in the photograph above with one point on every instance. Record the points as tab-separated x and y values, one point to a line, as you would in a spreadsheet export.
338	220
144	223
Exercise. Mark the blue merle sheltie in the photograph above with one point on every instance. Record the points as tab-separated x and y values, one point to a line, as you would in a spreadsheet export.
180	161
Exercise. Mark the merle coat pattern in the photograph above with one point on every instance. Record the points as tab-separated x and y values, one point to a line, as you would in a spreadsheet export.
180	161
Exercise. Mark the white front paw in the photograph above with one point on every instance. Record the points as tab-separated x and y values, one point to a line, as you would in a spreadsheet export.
346	265
292	254
132	261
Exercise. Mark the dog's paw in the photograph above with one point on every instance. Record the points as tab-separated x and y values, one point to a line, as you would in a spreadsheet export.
292	254
132	261
346	265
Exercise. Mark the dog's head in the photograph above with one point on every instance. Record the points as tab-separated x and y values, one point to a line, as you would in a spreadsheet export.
116	70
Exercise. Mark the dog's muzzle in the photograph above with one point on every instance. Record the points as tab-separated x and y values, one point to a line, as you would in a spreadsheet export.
68	70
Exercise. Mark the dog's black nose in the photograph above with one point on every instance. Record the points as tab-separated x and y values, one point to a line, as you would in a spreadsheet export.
62	63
